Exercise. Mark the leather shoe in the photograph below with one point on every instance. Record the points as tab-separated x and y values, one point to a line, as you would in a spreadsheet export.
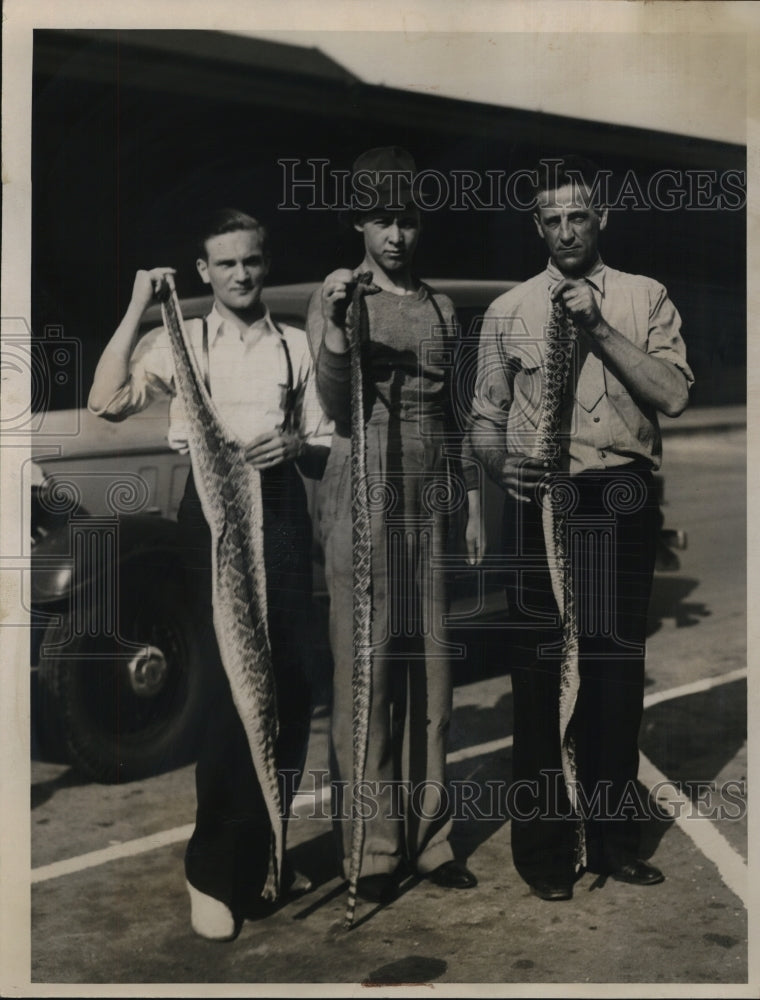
553	892
381	888
453	875
636	872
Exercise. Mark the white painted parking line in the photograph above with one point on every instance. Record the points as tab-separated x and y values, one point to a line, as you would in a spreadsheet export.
466	753
731	866
709	840
113	853
695	687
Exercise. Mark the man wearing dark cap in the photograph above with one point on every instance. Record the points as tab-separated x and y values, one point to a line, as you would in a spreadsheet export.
412	455
578	702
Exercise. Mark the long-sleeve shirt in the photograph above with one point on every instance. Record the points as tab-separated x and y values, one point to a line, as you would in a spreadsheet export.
409	367
602	425
248	376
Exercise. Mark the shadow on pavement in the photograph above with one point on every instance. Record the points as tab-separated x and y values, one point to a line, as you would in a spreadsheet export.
669	595
316	858
41	791
691	739
654	826
410	970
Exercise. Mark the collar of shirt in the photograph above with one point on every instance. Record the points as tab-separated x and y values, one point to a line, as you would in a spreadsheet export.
596	276
219	327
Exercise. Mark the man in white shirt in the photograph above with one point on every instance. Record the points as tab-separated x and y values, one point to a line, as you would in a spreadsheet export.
261	382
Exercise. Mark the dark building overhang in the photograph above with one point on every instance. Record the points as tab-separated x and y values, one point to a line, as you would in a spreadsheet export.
217	66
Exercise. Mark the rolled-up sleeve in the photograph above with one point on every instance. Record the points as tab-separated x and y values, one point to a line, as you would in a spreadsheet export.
664	340
494	381
151	374
494	391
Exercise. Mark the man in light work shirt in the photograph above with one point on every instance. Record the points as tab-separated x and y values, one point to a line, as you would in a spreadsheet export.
261	382
628	364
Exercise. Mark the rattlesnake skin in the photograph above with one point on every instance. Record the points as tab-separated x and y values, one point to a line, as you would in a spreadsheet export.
230	493
560	338
356	321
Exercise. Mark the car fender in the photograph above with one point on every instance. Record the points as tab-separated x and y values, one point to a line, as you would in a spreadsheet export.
76	554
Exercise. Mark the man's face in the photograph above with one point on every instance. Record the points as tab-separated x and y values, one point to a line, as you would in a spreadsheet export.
235	268
390	238
570	226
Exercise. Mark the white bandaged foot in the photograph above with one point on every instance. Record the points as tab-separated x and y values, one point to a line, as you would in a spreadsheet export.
210	918
300	883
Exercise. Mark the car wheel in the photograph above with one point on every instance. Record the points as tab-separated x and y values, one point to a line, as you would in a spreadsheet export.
132	710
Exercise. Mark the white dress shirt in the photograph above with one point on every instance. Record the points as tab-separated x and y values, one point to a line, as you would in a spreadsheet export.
248	376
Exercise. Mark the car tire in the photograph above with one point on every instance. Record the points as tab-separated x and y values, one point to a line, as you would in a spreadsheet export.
87	704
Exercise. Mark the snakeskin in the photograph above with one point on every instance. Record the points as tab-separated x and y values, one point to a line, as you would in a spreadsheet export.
560	339
230	493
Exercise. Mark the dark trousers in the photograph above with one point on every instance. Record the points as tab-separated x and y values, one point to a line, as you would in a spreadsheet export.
612	538
228	853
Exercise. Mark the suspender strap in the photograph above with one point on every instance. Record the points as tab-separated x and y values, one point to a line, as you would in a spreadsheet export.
433	302
290	391
204	360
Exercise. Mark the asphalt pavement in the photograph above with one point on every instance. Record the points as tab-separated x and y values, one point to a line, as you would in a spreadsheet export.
109	904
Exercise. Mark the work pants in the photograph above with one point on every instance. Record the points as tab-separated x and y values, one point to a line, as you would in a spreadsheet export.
405	802
612	531
229	851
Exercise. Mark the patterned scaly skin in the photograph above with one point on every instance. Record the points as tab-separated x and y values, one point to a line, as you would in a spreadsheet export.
560	337
362	570
230	492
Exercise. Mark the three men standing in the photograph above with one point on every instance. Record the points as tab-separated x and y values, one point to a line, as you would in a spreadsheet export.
628	363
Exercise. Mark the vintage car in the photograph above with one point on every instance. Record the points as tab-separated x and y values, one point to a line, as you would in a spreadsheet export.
117	681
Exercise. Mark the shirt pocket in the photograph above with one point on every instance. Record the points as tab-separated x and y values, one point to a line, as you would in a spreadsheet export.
613	386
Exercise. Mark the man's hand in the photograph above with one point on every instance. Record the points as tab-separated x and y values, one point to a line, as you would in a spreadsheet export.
150	286
273	447
337	289
520	475
649	379
577	297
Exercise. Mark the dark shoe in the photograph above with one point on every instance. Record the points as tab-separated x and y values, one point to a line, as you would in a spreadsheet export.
381	889
636	872
453	875
553	892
